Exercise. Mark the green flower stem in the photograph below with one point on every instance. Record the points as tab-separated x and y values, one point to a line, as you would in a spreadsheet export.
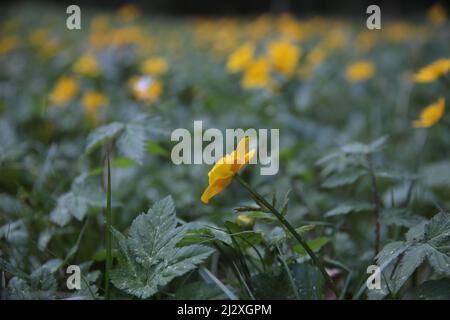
318	263
108	230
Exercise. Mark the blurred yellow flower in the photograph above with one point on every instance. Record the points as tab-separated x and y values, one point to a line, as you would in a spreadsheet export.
154	66
225	39
365	40
128	12
430	115
38	36
284	56
49	48
92	100
146	88
64	90
316	56
87	65
100	23
257	75
7	44
313	60
226	168
240	58
360	71
124	36
290	28
259	28
337	37
432	71
437	14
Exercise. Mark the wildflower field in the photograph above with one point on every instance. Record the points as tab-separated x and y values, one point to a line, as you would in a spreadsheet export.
358	207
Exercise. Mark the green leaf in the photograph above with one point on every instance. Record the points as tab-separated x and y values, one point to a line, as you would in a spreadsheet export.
278	234
132	142
150	257
356	148
85	192
362	148
394	174
102	134
436	174
343	178
378	144
399	217
315	245
131	136
411	260
431	290
204	236
154	148
276	284
349	207
199	291
243	237
426	241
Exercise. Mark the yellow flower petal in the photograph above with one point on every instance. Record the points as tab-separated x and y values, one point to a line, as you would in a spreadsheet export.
360	71
432	71
430	115
226	168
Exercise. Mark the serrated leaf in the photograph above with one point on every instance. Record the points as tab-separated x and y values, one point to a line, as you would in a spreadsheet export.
151	257
432	290
343	178
356	148
349	207
399	217
102	134
199	291
278	235
132	142
428	240
85	192
437	230
411	260
378	144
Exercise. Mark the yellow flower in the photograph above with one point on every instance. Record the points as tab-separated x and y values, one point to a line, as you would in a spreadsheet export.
226	168
241	58
7	44
146	88
128	12
360	71
316	56
87	65
64	90
100	23
49	48
257	75
284	56
154	66
437	14
290	28
38	36
92	100
430	115
432	71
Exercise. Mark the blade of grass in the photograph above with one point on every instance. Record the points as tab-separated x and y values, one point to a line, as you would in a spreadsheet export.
316	260
210	278
108	230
